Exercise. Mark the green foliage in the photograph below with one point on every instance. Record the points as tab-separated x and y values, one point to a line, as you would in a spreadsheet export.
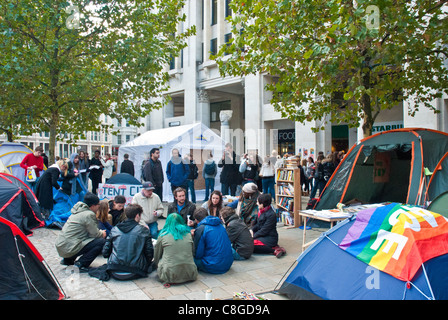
341	58
64	63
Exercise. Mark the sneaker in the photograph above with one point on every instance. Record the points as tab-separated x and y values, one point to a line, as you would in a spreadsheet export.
279	252
67	262
82	269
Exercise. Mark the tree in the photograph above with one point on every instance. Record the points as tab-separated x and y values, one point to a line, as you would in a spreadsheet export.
346	59
65	63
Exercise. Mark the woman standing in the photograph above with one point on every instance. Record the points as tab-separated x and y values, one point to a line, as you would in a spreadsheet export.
83	167
45	185
70	184
108	166
267	174
174	252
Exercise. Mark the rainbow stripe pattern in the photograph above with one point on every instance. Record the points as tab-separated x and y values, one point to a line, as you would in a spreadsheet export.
397	239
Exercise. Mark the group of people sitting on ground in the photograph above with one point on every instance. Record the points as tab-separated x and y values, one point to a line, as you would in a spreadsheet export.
206	239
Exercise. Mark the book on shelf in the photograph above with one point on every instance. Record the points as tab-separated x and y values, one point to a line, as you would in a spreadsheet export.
292	162
286	203
285	175
286	189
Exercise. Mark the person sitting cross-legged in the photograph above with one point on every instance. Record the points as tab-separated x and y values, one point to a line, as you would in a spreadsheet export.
213	248
174	252
128	247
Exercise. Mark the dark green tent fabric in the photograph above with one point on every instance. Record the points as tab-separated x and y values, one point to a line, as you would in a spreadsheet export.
440	204
408	152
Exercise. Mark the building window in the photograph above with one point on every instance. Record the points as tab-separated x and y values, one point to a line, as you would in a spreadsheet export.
178	106
119	139
214	12
228	10
227	38
202	52
217	107
182	58
213	46
128	137
172	62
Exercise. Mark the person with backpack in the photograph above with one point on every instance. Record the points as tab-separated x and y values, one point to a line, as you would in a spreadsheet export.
177	172
209	173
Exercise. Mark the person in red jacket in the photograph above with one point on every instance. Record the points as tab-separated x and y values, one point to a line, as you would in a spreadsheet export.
33	161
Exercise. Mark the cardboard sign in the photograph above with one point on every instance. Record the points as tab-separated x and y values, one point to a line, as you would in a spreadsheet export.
381	168
110	191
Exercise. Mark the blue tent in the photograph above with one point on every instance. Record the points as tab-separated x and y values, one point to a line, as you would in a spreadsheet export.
63	205
123	178
325	271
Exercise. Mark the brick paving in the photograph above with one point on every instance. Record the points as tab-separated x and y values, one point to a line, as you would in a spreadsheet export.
260	274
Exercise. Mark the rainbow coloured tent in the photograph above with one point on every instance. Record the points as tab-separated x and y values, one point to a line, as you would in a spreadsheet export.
405	165
390	252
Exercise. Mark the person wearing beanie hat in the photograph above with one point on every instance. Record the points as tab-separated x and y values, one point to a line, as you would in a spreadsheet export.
247	208
80	236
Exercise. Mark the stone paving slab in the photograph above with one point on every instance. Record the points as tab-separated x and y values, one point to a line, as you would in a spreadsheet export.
260	274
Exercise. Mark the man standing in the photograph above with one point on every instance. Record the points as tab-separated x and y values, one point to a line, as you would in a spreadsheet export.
177	171
182	205
127	166
153	172
33	161
80	236
230	175
194	172
152	207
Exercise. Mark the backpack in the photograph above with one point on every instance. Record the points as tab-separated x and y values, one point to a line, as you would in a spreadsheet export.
210	169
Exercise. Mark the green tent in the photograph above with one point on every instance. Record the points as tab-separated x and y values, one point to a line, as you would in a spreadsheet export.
440	204
407	165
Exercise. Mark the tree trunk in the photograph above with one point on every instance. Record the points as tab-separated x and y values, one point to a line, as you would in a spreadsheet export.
367	125
10	136
53	125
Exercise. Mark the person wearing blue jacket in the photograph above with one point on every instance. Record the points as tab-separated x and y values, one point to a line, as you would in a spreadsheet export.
213	250
177	171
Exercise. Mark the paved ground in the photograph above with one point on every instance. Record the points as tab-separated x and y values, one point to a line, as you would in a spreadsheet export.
260	274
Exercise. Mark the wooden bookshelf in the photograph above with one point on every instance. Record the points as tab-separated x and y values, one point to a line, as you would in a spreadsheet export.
288	193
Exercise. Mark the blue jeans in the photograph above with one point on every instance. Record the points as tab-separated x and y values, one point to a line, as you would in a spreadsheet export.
209	187
190	186
268	186
318	184
236	256
154	229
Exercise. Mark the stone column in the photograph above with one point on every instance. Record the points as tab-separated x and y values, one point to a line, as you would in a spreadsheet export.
225	117
203	107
